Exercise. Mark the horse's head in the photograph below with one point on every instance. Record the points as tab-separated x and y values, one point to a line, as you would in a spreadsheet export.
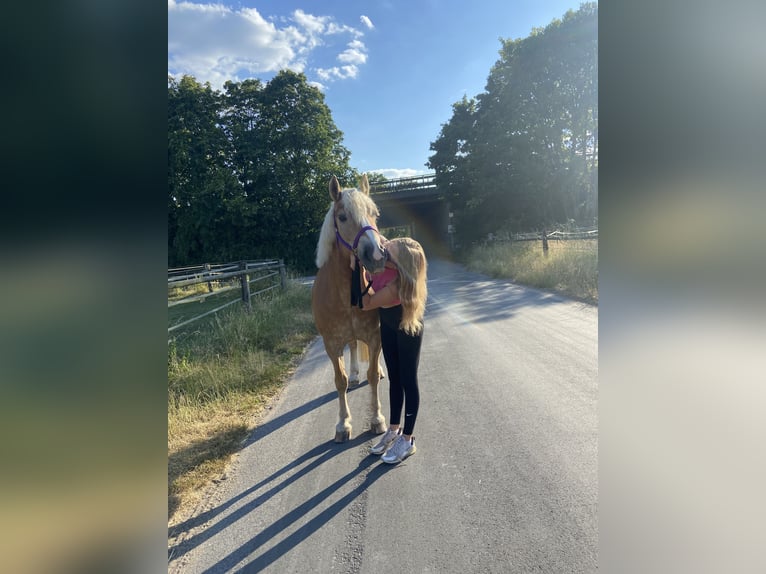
355	215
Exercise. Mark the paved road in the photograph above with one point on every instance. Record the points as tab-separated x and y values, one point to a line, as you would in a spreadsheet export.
504	480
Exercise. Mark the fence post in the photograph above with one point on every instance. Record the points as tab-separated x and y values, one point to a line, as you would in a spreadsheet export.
206	267
282	274
545	243
245	281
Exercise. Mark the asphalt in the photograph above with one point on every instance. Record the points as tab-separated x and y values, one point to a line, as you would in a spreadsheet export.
505	478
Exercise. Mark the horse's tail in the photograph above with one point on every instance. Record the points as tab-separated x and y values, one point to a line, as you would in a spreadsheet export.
363	351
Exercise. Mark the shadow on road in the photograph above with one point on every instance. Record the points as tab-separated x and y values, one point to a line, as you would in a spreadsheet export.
283	547
318	456
476	298
259	433
216	446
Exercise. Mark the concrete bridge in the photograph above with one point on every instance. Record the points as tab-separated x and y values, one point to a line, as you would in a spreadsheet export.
417	204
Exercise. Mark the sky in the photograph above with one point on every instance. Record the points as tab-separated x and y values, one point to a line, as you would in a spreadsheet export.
390	70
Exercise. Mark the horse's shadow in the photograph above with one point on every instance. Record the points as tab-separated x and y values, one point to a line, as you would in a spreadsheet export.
318	456
321	454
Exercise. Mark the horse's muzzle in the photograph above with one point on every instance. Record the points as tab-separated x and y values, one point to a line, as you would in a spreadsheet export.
372	256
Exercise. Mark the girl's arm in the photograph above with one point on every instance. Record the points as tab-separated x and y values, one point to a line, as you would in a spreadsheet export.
383	298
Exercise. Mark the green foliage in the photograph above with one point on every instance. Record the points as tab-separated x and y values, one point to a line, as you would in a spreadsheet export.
523	154
248	169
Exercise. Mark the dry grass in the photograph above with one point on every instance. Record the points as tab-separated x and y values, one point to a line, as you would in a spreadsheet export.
571	267
222	373
187	290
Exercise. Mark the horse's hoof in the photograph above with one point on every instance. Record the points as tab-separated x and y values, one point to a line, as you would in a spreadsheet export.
353	382
378	428
342	436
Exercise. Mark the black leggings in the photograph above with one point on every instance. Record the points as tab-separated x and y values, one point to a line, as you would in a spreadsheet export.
402	355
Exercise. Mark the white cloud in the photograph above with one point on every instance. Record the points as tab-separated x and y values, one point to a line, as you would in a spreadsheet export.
215	43
334	28
352	56
313	24
366	21
395	173
337	73
318	85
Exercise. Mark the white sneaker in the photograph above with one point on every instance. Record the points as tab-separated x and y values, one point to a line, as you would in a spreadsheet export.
385	441
400	450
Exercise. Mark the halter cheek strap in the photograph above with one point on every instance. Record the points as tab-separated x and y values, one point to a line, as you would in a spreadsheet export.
356	277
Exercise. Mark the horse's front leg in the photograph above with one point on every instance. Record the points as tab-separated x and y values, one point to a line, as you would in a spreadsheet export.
343	428
377	421
353	374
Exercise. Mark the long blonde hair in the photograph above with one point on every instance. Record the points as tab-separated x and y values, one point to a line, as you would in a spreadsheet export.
413	291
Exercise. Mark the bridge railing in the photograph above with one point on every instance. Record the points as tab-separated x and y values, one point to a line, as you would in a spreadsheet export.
413	183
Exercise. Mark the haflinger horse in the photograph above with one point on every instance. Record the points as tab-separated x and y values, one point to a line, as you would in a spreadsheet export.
348	237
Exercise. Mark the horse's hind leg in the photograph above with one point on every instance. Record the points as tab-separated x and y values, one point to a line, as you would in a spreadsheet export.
353	374
377	420
343	428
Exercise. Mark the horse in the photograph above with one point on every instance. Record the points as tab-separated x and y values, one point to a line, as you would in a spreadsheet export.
348	237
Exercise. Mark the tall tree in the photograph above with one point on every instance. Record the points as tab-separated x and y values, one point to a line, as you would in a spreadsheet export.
287	148
529	157
198	177
452	163
248	169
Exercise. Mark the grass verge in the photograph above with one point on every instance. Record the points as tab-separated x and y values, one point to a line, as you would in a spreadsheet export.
571	267
222	372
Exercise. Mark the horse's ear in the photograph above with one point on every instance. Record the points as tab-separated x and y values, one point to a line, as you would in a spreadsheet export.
334	188
364	184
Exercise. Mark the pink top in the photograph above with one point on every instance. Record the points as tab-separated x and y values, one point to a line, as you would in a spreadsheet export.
380	280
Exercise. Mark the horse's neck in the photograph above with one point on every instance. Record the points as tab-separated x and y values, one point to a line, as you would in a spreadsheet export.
340	261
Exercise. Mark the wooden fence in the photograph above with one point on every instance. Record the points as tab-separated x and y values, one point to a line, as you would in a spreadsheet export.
579	237
223	275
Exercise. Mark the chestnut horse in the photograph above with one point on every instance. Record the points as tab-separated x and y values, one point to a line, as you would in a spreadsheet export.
348	236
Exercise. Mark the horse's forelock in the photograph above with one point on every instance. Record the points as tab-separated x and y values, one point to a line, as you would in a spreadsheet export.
359	206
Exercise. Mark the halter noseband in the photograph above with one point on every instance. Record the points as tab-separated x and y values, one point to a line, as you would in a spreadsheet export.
353	248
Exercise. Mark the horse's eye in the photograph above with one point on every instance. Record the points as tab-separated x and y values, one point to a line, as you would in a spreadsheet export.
342	217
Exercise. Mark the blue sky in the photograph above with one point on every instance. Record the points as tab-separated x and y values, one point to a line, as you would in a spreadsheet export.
390	70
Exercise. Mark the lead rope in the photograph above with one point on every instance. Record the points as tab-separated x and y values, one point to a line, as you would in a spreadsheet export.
356	288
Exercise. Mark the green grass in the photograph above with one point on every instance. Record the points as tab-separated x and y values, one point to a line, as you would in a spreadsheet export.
571	267
222	372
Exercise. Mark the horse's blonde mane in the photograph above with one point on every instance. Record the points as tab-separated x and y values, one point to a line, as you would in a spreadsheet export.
358	207
326	238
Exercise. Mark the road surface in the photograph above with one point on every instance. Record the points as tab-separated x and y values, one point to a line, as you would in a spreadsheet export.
505	478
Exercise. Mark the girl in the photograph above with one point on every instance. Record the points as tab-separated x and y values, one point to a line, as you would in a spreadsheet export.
399	293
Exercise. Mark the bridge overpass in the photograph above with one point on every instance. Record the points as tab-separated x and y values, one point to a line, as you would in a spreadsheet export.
417	204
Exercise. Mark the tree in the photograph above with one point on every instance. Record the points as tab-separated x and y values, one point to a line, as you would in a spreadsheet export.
287	148
248	169
198	177
452	162
523	155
